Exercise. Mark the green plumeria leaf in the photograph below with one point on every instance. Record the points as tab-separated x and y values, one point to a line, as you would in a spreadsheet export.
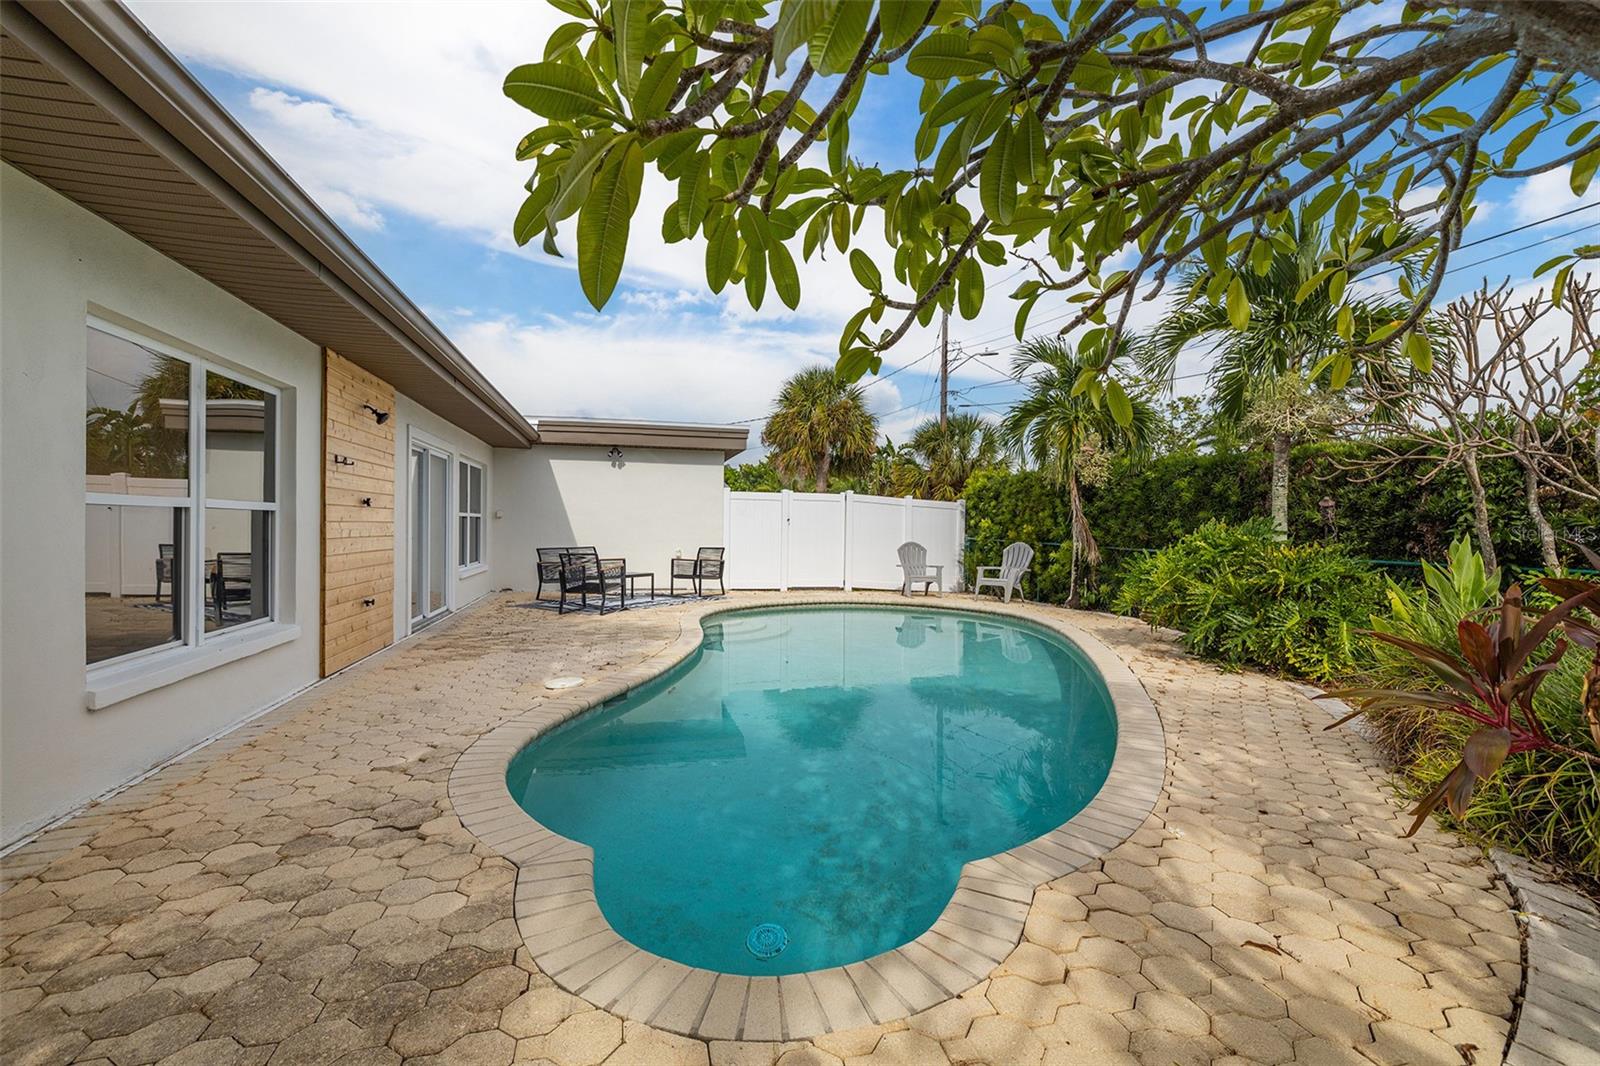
604	219
631	22
1345	325
785	279
656	86
555	91
531	215
797	21
1583	169
722	253
1032	161
1238	306
898	20
833	47
945	55
997	178
969	288
1117	400
1419	350
865	270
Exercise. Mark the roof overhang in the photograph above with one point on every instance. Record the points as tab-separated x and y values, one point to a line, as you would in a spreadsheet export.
93	106
729	440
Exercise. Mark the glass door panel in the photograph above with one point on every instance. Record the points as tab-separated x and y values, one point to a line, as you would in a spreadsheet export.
419	532
429	474
438	530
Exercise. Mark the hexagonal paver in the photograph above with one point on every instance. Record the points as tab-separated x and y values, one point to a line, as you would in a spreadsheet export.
306	891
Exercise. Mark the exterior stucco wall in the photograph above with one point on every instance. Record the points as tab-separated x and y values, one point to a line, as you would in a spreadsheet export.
416	422
58	265
649	506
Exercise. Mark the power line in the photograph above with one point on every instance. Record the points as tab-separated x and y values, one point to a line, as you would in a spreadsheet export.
1513	251
963	343
1449	270
1505	233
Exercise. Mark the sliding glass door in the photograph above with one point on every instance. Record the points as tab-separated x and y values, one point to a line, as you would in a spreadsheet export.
429	474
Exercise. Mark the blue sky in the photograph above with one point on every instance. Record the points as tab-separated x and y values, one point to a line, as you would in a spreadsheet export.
391	116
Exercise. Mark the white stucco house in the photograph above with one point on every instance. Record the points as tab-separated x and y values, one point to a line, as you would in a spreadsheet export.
235	457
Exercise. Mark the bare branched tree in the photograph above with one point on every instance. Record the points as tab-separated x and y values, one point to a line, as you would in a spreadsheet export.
1493	393
1551	429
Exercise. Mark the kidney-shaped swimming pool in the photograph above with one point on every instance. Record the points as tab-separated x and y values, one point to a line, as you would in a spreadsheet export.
803	790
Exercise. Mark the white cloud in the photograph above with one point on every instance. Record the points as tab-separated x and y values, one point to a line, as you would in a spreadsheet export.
380	110
397	106
1549	194
644	364
390	110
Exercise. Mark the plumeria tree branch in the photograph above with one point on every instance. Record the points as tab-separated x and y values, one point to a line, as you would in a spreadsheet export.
1091	136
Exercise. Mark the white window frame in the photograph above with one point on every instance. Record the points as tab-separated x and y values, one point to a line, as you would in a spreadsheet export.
481	563
196	503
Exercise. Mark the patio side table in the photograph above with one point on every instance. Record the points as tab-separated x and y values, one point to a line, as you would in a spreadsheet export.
631	578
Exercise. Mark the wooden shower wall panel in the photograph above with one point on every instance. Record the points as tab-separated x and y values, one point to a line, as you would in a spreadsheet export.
357	536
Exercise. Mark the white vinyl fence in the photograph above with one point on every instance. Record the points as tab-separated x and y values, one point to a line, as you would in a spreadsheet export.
784	540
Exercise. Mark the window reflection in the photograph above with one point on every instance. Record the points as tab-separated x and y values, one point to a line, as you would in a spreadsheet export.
240	427
136	419
237	577
134	569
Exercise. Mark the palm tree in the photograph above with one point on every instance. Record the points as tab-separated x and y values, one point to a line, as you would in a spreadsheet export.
1285	337
1061	432
942	458
821	427
118	441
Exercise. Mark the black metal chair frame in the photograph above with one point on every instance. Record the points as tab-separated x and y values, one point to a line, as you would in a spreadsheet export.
706	564
231	579
583	572
548	568
165	554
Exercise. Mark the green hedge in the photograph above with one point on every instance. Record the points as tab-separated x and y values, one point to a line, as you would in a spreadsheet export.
1003	507
1395	516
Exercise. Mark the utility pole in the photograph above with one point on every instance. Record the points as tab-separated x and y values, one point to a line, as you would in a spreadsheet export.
944	368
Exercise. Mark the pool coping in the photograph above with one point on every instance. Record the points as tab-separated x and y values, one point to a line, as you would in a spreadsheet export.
569	938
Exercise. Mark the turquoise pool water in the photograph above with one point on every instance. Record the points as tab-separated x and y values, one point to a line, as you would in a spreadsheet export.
825	770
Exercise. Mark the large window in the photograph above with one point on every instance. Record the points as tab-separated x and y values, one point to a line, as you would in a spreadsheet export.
469	518
181	493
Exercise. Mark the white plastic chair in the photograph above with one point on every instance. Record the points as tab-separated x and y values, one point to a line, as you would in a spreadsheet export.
914	566
1014	563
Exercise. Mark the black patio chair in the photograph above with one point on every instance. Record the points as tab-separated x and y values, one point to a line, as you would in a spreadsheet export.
549	565
232	582
583	573
164	557
548	568
705	566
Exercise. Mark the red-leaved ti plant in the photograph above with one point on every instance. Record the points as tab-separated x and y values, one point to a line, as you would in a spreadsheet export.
1492	681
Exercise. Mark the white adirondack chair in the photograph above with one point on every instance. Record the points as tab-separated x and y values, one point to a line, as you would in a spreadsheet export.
1014	563
916	571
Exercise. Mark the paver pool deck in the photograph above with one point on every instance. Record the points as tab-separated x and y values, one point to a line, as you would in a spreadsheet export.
302	891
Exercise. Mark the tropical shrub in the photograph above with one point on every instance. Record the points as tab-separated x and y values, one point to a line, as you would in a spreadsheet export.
752	477
1244	598
1498	721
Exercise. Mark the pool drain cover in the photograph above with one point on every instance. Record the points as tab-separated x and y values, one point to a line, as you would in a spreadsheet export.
766	940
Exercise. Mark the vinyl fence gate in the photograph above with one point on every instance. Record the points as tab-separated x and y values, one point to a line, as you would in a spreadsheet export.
826	540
